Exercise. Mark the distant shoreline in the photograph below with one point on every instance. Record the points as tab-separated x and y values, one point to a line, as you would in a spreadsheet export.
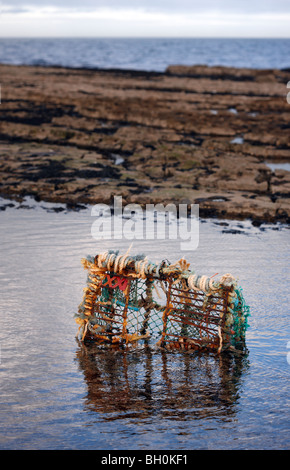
142	72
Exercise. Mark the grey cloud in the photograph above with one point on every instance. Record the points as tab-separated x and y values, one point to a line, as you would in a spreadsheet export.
182	6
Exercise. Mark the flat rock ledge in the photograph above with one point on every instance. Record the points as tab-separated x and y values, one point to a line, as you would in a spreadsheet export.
191	135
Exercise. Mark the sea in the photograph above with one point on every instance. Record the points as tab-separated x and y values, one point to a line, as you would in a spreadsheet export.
150	54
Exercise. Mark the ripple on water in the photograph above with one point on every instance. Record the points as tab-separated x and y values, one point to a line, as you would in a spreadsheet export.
56	393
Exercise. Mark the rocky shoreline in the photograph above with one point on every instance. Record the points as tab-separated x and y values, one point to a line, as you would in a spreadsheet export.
198	134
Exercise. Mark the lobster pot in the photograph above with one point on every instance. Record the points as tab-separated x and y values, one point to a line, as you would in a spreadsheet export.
129	300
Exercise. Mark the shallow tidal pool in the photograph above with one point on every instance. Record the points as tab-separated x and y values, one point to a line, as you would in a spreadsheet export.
57	393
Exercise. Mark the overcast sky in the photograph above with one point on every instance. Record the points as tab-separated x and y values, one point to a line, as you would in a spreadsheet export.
145	18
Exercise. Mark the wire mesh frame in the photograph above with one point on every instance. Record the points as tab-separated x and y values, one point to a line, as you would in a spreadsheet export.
194	320
186	319
118	315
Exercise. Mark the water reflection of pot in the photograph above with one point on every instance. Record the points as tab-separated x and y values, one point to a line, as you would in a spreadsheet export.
148	381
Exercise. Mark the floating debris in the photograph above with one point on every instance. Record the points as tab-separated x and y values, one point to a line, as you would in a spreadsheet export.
130	299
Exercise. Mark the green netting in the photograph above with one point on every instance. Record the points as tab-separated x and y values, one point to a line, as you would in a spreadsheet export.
240	312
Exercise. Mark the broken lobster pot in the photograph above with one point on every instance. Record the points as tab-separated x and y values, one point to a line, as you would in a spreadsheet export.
129	299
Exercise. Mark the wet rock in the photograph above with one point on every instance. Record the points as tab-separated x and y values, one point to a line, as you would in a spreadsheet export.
88	135
233	231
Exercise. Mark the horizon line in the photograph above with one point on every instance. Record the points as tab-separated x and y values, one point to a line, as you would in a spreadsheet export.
145	37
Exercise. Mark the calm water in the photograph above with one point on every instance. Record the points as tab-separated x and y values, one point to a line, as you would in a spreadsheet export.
146	54
278	166
57	394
